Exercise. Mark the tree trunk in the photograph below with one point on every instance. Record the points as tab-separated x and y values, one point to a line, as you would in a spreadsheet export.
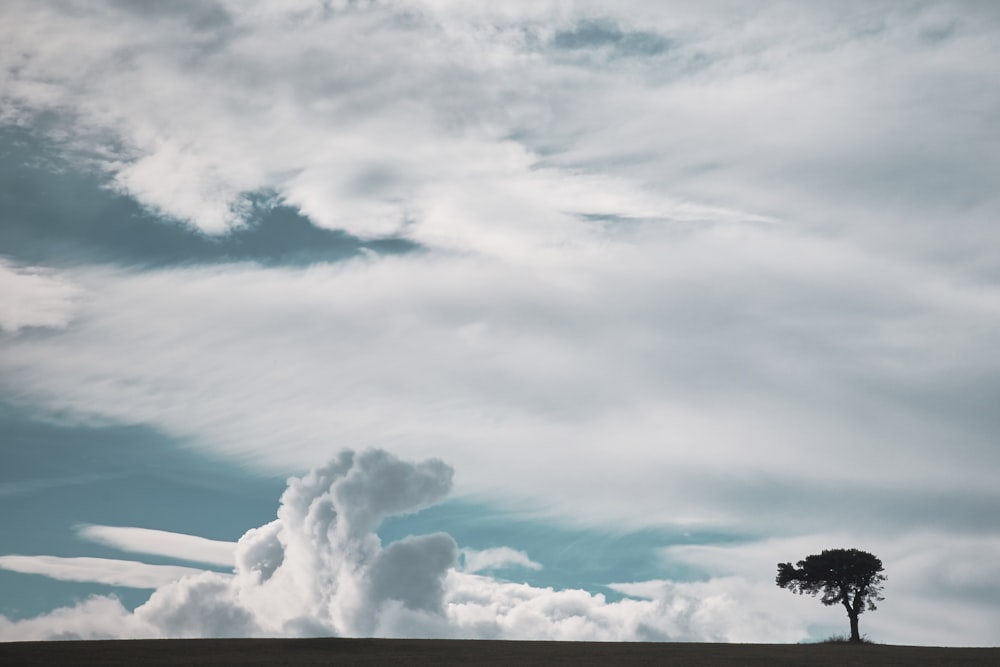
855	636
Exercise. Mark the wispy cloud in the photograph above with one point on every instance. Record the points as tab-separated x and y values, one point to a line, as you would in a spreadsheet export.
485	128
26	486
34	297
112	572
731	365
678	265
497	558
161	543
713	253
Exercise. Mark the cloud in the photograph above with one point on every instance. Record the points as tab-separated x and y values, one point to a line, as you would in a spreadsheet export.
724	252
26	486
161	543
722	610
320	569
764	348
203	606
108	571
708	253
678	265
99	617
928	577
496	559
320	562
487	129
35	297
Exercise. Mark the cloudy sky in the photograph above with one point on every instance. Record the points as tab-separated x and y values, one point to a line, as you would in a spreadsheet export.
549	319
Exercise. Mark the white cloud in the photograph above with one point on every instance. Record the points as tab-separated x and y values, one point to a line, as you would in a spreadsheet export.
475	129
694	353
931	577
108	571
161	543
721	610
498	558
751	289
320	569
35	297
663	268
755	263
99	617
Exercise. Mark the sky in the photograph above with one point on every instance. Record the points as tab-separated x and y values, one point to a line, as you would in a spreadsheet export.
538	320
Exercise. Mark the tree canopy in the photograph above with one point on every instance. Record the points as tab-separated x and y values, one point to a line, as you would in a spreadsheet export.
850	577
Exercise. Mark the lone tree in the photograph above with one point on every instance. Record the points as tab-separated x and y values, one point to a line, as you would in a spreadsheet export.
850	577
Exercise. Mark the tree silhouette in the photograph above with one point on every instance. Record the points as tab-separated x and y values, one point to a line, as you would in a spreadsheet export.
850	577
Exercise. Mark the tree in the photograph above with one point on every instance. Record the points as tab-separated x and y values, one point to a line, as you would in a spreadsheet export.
850	577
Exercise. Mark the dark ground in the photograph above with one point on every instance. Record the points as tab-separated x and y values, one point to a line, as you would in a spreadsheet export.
309	652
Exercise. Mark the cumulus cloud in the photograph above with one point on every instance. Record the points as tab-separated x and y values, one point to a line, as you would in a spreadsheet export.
722	610
320	569
99	617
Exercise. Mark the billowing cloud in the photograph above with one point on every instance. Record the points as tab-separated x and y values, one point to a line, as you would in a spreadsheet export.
320	569
99	617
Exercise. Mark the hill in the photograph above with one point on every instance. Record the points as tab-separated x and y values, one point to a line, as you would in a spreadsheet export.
308	652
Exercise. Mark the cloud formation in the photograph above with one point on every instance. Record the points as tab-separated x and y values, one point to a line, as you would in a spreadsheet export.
712	239
161	543
34	297
677	265
493	129
108	571
727	365
496	559
320	569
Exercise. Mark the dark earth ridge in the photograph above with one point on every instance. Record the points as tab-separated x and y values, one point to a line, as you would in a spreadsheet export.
336	651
